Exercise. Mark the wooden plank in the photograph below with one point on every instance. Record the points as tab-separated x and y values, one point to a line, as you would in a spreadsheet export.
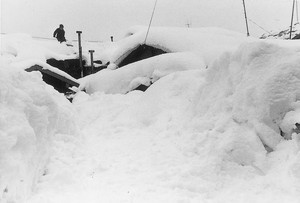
53	74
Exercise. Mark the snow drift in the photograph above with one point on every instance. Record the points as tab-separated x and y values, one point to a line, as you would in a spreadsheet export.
31	113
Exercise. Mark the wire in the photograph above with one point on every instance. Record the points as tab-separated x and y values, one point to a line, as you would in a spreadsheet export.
259	26
150	21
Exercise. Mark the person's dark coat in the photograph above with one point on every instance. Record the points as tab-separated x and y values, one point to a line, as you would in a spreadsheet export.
60	35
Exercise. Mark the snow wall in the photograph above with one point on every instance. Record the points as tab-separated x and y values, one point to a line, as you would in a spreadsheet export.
228	121
256	87
31	113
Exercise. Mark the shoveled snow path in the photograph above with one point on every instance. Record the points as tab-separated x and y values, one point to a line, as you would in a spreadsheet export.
115	162
111	162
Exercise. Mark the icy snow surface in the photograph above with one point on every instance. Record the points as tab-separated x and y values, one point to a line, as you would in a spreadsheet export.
211	128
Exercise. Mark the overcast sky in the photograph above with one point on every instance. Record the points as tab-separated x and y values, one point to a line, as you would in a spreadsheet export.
99	19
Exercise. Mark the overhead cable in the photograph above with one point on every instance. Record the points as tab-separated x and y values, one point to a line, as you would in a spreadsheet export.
150	21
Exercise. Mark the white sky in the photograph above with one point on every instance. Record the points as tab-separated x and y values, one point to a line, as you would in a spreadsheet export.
99	19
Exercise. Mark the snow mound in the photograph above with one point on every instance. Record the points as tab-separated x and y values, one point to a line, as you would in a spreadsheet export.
31	112
223	127
259	83
246	97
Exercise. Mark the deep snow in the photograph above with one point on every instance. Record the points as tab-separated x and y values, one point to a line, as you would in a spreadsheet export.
207	130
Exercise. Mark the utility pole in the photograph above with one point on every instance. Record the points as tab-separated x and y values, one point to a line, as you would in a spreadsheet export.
291	28
246	18
80	52
297	11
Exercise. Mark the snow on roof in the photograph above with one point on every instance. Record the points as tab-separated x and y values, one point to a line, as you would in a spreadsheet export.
24	47
22	51
191	48
207	42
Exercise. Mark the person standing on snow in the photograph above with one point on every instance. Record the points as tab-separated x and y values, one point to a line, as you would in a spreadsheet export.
59	34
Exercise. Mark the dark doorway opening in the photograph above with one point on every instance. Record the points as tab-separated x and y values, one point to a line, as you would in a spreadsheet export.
140	53
70	66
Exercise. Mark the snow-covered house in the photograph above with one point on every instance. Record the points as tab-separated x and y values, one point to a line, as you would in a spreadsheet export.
163	51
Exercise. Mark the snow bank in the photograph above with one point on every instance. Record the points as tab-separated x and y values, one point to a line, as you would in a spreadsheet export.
31	112
276	92
259	83
223	129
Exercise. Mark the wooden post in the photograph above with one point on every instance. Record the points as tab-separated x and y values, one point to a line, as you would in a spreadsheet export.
80	52
92	61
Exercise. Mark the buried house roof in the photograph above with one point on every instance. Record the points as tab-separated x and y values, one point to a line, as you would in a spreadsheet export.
207	42
183	48
23	52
